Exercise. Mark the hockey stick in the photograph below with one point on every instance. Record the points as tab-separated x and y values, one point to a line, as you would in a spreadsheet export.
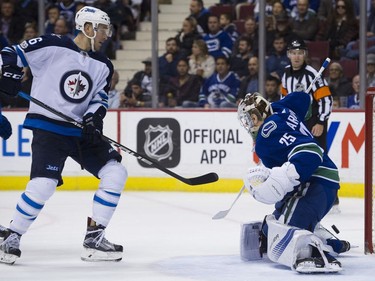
224	213
322	68
206	178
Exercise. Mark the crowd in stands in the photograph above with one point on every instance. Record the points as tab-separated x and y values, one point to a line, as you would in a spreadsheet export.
212	61
219	47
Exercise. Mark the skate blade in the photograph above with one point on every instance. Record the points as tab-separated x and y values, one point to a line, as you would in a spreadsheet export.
7	258
93	255
310	268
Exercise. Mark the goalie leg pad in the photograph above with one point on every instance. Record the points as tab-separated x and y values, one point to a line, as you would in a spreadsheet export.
286	244
250	241
294	248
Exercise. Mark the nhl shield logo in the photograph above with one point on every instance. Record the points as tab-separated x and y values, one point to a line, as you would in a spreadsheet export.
158	144
159	139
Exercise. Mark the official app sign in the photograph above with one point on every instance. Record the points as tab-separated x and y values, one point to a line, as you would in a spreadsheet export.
159	139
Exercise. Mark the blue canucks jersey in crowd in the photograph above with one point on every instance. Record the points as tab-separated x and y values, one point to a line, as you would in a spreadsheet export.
76	94
215	90
284	137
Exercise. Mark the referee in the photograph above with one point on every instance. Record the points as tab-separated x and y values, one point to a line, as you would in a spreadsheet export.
298	77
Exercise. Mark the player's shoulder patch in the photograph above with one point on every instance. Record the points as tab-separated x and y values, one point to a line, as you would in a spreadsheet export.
268	128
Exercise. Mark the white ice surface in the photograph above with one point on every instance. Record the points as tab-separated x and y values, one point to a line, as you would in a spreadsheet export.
166	236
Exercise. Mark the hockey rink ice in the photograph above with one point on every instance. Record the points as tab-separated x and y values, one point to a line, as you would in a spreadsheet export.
167	236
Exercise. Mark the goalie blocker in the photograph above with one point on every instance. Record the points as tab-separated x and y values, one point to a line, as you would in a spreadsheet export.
299	249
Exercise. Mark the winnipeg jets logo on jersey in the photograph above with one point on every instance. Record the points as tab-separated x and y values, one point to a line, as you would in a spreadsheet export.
75	86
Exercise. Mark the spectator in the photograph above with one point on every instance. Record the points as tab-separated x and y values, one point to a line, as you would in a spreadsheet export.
291	6
338	83
201	62
250	84
182	90
187	35
228	26
201	14
145	10
168	62
221	89
277	60
278	9
305	21
12	26
218	42
144	76
137	98
250	31
67	10
62	27
370	69
351	50
272	89
353	98
53	14
30	32
284	28
342	28
124	17
240	61
113	93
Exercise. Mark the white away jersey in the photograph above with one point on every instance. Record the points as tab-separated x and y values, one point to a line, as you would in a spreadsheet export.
65	78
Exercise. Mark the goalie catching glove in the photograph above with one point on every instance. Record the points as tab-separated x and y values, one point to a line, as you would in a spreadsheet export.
270	185
11	78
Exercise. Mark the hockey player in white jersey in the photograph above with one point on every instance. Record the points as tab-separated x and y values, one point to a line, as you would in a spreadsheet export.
298	177
73	77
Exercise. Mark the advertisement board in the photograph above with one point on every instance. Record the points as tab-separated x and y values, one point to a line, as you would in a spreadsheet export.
190	143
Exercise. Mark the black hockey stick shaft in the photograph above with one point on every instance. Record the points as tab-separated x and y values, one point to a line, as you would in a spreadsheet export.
204	179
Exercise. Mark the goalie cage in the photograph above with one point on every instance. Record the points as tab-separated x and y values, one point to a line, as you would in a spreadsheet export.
369	171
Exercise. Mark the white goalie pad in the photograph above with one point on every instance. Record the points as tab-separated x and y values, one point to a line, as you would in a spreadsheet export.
249	243
286	244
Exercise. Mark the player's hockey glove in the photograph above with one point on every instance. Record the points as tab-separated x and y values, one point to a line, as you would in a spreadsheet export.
93	125
5	127
11	78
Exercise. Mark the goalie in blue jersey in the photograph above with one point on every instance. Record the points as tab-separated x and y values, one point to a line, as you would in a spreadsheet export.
298	177
73	77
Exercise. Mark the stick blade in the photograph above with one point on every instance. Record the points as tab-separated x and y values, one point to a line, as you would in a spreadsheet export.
220	215
204	179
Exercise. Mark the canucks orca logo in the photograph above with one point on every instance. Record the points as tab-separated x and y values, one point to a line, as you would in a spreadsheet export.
268	128
75	86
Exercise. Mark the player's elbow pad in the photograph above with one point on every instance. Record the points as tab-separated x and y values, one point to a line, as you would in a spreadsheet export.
280	181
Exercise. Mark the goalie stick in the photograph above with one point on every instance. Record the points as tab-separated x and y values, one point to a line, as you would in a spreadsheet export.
204	179
224	213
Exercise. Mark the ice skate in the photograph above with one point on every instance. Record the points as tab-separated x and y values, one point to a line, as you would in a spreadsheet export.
9	247
317	265
96	247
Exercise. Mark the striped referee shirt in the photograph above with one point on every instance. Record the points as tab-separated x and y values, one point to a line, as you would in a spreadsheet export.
300	80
